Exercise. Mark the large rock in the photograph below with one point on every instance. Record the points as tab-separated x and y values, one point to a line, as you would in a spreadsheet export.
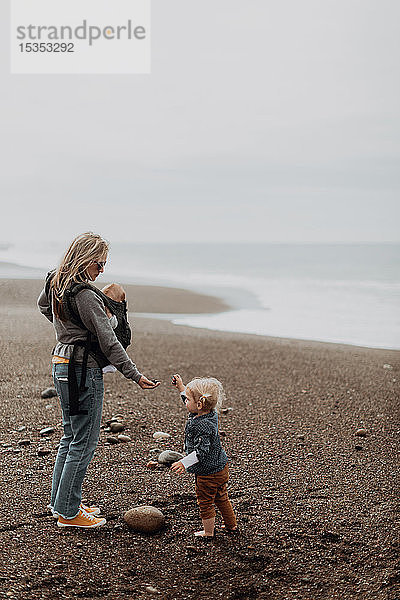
147	519
49	393
169	456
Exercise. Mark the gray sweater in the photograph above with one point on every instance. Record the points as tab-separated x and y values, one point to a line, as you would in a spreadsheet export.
93	315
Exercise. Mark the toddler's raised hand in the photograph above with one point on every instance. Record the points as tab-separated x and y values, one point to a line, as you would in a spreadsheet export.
177	382
178	467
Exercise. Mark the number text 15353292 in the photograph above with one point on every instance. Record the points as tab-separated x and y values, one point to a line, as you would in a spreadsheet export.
47	47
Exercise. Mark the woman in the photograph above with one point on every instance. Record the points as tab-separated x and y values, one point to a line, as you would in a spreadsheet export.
73	362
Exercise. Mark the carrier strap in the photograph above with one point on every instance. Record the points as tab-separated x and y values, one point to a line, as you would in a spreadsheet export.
74	390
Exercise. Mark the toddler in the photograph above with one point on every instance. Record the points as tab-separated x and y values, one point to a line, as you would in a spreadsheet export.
115	292
205	458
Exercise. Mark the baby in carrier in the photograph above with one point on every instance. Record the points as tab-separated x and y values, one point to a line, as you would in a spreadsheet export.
116	292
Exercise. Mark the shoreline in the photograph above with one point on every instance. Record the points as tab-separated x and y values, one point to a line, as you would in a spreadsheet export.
168	304
24	292
171	318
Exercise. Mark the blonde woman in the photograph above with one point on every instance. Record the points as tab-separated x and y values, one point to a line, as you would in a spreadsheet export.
85	342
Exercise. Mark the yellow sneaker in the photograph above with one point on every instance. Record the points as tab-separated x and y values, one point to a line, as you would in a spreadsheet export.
90	510
82	519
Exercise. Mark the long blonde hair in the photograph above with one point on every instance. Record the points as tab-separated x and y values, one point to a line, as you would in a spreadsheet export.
84	249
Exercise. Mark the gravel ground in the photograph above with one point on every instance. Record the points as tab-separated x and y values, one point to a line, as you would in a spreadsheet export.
318	517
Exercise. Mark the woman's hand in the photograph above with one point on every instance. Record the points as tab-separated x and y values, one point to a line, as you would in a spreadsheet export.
148	384
178	467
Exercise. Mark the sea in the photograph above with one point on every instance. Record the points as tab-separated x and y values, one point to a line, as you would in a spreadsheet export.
343	293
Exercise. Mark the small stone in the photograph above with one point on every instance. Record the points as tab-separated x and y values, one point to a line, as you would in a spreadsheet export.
17	450
147	519
151	590
155	451
300	437
152	464
49	393
43	451
46	431
111	439
161	435
227	410
330	536
387	366
79	544
124	438
21	428
24	442
191	548
169	456
48	406
358	447
117	427
117	417
361	432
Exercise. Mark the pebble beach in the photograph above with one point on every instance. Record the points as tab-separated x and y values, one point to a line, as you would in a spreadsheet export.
312	439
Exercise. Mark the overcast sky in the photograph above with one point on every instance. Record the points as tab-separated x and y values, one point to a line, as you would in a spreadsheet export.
262	120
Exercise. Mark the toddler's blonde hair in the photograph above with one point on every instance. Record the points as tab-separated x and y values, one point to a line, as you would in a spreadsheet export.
209	390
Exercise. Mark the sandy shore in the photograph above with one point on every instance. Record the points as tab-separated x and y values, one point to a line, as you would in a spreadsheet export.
317	515
141	298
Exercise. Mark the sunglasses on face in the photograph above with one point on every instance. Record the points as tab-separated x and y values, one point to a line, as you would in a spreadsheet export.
101	265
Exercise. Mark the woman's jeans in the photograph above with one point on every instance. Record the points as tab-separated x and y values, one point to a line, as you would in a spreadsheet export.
77	446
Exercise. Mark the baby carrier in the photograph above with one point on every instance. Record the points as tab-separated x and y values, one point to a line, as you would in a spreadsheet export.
90	344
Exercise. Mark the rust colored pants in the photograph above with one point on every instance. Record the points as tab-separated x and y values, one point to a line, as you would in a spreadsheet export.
210	490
